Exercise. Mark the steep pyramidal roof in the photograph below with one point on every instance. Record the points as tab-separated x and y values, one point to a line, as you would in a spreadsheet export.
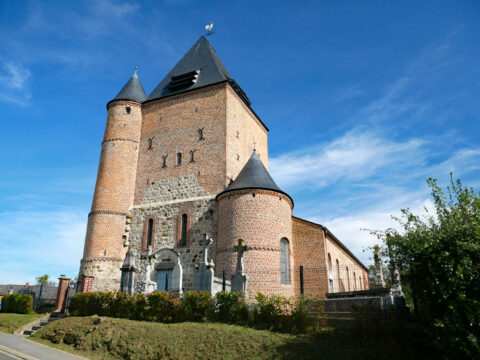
133	90
199	67
254	176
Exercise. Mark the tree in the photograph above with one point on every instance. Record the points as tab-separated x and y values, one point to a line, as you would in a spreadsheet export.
43	280
438	256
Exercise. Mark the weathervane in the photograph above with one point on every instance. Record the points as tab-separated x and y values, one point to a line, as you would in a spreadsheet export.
209	28
136	68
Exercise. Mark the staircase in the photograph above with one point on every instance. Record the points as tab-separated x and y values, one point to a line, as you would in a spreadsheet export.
37	325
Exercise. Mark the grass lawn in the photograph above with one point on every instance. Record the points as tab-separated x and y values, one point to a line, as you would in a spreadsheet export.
108	338
9	321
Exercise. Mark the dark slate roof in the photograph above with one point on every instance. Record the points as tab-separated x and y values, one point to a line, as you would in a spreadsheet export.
254	176
133	91
203	57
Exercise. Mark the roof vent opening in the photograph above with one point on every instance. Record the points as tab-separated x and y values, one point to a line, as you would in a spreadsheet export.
184	80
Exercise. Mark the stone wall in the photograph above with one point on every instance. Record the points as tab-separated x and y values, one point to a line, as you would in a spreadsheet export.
165	201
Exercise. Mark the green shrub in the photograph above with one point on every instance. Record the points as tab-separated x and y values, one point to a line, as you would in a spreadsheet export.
161	307
141	307
198	305
271	311
299	319
16	303
232	307
123	306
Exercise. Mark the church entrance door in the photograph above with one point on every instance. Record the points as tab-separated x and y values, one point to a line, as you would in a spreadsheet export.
164	280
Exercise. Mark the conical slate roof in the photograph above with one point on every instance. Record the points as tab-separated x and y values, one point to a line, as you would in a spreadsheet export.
254	176
199	67
133	90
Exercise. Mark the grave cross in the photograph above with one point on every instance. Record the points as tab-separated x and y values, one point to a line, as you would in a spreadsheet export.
240	249
205	242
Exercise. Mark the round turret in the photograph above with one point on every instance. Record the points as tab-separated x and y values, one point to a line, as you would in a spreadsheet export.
105	241
254	208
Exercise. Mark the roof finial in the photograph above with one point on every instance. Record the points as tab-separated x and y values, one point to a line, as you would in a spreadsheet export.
254	145
209	29
136	68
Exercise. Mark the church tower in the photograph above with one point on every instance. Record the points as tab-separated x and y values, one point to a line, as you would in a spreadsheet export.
104	249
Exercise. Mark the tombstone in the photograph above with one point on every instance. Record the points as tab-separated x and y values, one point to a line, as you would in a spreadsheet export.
378	267
204	277
128	269
239	278
169	270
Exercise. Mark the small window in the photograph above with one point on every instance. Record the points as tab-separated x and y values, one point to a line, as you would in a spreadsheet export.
179	159
354	282
149	232
183	239
127	110
360	283
332	289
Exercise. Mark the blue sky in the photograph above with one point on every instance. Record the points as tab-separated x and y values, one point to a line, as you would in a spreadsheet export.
364	100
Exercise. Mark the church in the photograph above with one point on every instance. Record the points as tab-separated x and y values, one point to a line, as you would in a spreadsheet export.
184	200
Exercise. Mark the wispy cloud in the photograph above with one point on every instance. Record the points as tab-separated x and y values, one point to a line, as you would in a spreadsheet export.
14	83
355	155
36	242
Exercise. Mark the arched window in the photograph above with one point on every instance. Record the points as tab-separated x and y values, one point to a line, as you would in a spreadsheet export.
338	275
360	283
329	262
348	280
149	232
179	159
183	236
284	262
354	282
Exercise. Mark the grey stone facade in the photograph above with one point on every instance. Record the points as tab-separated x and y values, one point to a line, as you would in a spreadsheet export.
165	201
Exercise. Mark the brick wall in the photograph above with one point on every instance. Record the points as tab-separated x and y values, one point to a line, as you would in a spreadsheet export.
243	131
113	196
262	221
309	241
347	265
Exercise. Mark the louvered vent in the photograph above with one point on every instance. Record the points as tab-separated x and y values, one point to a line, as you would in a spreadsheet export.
184	80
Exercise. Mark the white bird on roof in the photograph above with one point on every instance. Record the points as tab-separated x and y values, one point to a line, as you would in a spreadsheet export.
209	27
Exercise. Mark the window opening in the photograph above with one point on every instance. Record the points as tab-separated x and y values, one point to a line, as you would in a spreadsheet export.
183	239
149	232
284	262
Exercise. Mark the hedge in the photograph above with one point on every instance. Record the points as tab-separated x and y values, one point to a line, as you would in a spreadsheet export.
270	312
16	303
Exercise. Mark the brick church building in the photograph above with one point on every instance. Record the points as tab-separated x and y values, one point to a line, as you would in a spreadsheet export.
189	163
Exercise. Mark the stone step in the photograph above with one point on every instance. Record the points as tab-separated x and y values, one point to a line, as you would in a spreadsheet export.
44	323
338	315
27	332
37	327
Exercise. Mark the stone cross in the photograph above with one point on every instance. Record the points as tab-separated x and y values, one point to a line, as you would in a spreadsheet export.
205	242
378	267
240	249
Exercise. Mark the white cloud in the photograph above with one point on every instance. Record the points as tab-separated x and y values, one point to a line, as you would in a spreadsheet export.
34	243
350	229
14	83
355	155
